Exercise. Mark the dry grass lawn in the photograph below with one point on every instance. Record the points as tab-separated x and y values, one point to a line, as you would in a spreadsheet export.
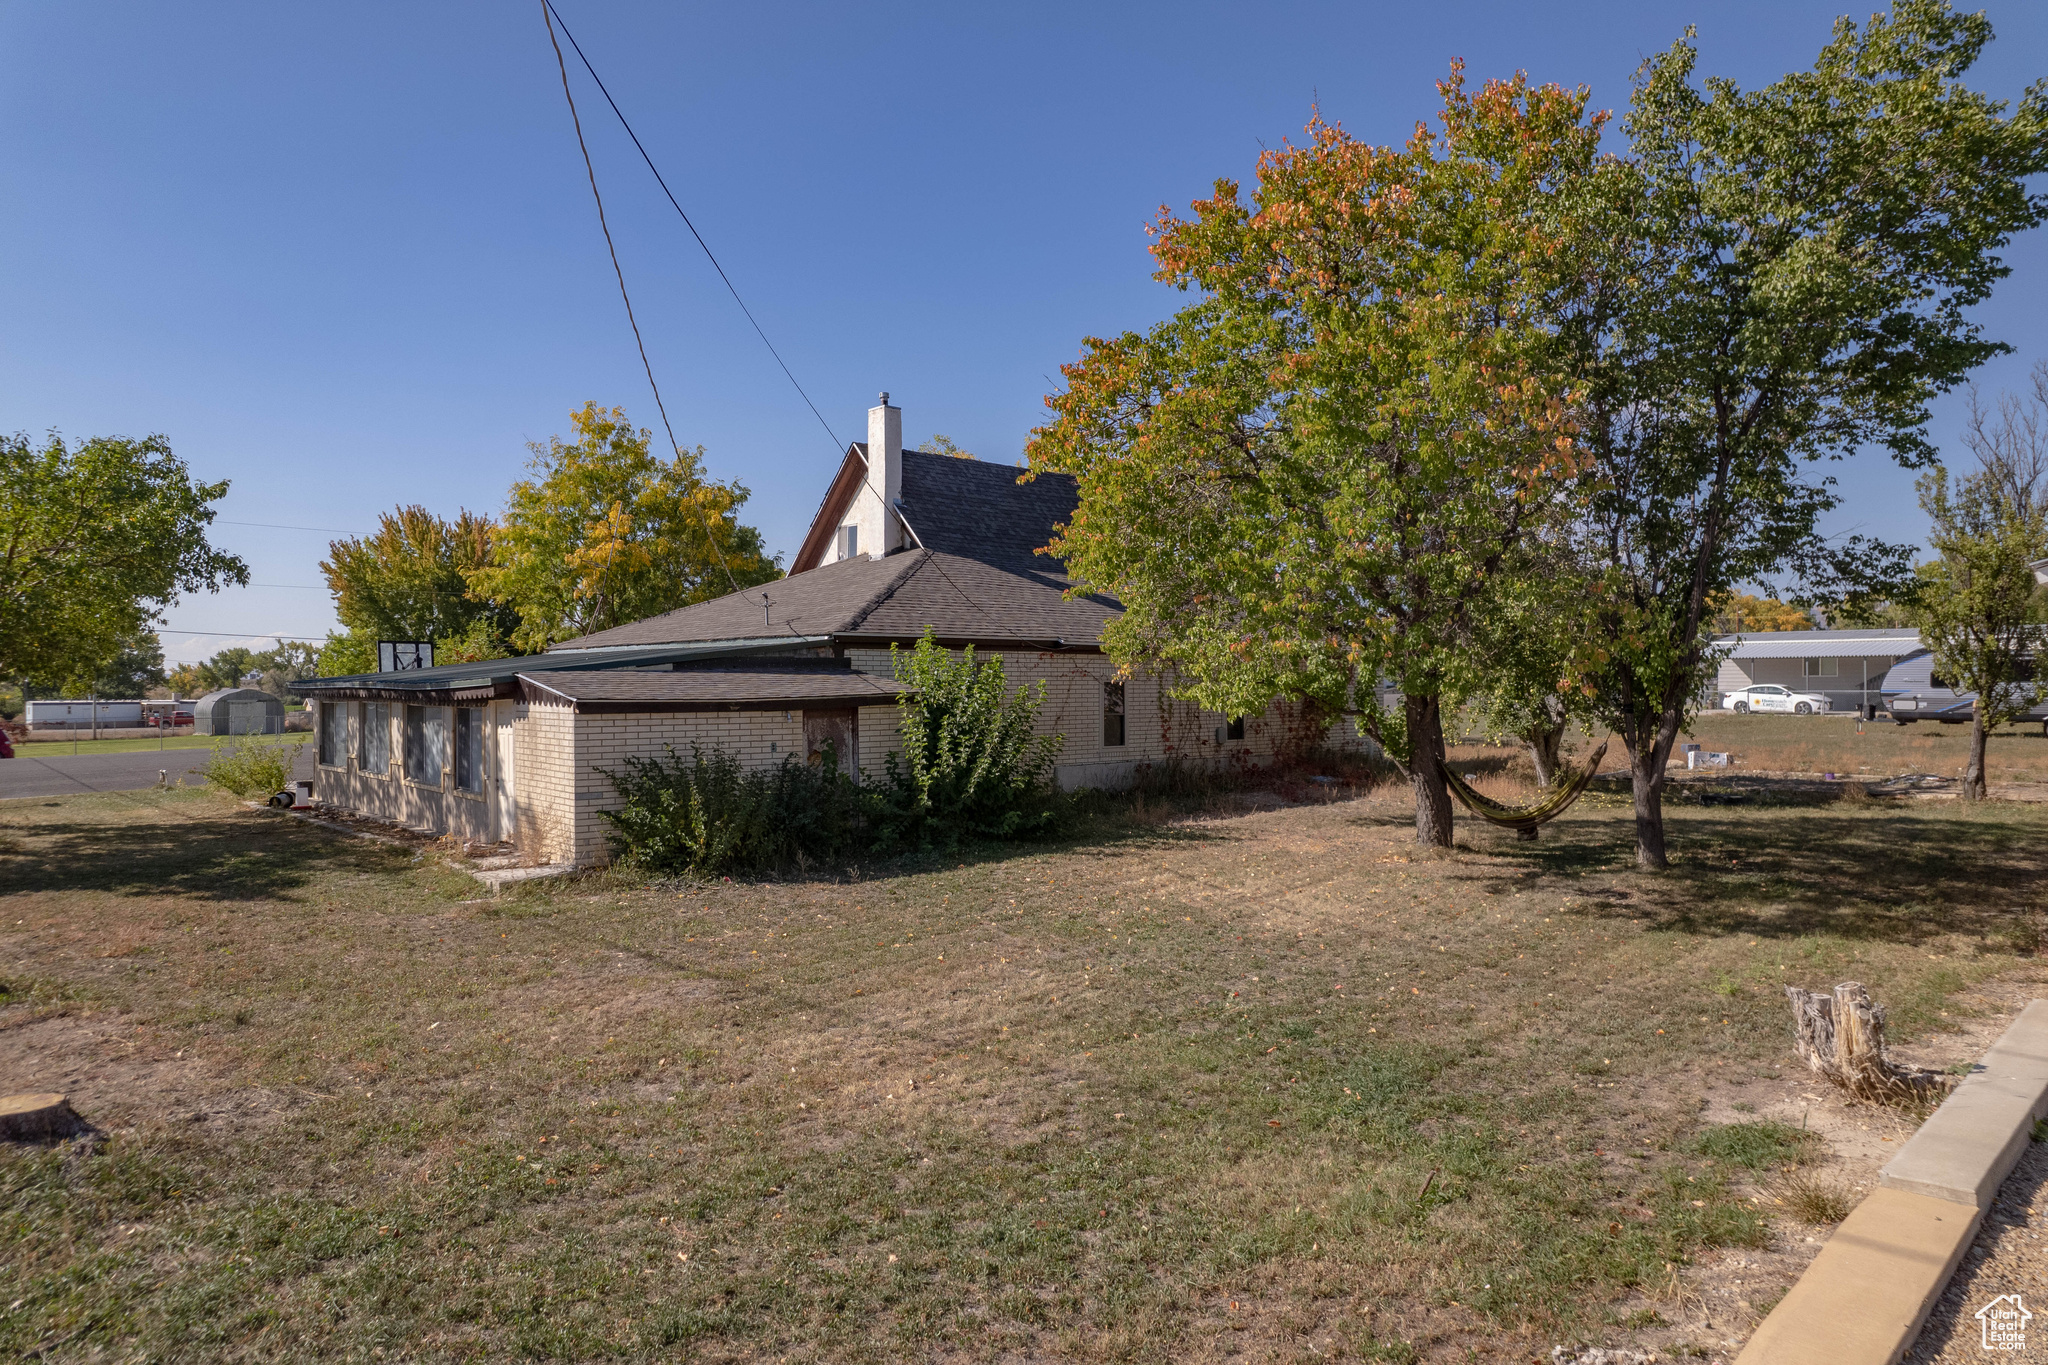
1256	1084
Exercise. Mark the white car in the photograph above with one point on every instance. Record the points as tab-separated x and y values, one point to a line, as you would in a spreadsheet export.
1771	697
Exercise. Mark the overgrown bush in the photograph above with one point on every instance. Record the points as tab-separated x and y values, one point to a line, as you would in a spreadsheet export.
704	814
249	766
972	766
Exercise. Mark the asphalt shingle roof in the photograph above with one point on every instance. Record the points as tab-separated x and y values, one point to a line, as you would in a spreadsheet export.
893	598
979	510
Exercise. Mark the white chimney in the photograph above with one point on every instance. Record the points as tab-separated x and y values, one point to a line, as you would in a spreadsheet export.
885	477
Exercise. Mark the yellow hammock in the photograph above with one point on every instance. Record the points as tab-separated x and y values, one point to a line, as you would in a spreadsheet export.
1527	817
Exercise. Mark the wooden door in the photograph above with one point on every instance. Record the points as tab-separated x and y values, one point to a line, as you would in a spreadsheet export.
504	810
840	730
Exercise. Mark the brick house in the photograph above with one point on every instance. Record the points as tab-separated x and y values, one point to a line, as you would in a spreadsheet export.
904	541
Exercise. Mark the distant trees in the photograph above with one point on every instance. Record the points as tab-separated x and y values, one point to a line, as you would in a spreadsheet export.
1980	609
95	541
136	670
1735	612
605	533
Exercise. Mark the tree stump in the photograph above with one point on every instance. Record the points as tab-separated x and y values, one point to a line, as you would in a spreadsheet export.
1841	1037
37	1118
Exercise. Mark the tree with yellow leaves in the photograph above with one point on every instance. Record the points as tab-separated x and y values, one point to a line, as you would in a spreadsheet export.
607	532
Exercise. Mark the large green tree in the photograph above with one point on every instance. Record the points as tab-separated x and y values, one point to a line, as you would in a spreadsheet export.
95	540
409	580
1313	478
607	532
1785	279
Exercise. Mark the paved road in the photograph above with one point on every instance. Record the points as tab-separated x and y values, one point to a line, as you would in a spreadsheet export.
68	775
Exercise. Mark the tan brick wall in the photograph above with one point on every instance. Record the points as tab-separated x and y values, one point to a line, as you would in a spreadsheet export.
544	781
1157	727
759	739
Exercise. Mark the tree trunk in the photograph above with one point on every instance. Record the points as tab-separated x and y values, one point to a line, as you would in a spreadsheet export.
1973	776
1841	1036
1426	770
1545	741
1647	778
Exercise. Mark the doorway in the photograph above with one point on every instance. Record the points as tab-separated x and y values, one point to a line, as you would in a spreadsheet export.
837	730
504	809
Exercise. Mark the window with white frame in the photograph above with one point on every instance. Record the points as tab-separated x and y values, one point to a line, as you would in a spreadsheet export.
333	734
469	749
375	754
426	743
849	541
1823	668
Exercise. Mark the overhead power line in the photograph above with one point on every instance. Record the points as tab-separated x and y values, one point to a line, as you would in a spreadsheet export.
548	14
838	447
242	634
273	526
706	246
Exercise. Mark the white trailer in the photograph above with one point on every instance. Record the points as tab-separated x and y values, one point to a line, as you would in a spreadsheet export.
83	715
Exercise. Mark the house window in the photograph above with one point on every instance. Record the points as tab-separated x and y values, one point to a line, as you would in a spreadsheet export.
1113	715
1234	729
1822	668
426	741
333	734
376	748
469	749
849	541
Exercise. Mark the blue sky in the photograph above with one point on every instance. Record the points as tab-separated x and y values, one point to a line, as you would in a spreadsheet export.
346	256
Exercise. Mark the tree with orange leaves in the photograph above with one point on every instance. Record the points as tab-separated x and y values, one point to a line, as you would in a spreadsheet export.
1310	481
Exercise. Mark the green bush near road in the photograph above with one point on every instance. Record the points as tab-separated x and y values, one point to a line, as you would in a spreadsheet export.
248	766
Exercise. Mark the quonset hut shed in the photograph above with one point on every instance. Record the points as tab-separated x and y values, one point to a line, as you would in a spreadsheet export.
238	711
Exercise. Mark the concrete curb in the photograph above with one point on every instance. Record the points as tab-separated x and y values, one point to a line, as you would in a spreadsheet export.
1866	1296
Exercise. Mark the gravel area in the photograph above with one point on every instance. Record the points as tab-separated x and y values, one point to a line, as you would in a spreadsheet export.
2010	1256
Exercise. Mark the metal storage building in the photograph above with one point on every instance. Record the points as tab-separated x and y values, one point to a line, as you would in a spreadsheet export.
238	711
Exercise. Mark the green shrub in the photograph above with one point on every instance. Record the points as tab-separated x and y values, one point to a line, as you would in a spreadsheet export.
704	814
972	766
250	766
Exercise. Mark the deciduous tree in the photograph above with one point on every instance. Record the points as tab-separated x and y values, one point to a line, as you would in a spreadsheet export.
409	580
1787	279
1735	612
606	532
1311	479
1979	609
94	542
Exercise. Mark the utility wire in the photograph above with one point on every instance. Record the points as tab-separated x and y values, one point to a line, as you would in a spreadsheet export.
547	13
273	526
837	445
729	287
